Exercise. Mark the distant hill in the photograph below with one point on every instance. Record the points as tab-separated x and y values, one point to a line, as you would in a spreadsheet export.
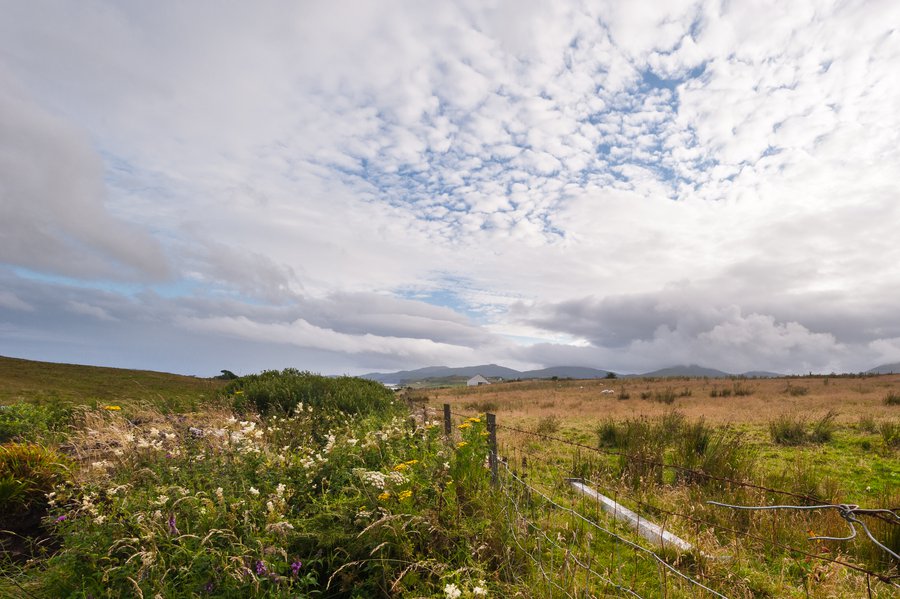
28	379
760	374
565	372
491	371
885	369
691	370
434	372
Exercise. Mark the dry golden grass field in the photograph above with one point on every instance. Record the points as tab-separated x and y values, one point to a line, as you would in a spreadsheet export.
581	402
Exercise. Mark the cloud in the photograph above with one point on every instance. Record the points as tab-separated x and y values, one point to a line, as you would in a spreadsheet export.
619	184
52	213
9	301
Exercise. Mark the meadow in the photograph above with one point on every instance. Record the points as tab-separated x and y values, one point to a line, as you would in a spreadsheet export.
118	483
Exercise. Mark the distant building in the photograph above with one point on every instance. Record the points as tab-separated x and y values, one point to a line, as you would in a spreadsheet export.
477	380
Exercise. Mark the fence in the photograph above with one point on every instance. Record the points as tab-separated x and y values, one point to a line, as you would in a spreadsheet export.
576	553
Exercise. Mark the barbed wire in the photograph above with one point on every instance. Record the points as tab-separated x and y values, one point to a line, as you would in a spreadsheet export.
568	551
845	510
877	513
631	544
749	535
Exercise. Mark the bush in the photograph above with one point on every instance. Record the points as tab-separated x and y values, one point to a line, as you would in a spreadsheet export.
608	434
892	399
623	395
547	425
481	406
823	428
29	421
281	392
890	432
787	430
796	391
666	396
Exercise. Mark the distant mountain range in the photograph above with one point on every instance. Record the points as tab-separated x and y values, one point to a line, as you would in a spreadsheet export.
493	371
885	369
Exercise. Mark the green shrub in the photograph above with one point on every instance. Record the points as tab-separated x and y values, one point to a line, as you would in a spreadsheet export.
547	425
823	428
890	432
867	424
646	395
892	399
608	434
787	430
281	392
28	472
717	452
29	421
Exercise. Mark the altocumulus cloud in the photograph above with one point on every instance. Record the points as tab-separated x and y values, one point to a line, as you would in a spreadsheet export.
351	186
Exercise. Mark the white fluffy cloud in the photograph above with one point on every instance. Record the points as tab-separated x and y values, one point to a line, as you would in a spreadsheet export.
633	184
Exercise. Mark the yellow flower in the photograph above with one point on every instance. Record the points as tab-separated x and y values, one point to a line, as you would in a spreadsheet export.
485	434
461	444
112	408
238	392
399	467
404	494
384	496
474	419
411	462
465	425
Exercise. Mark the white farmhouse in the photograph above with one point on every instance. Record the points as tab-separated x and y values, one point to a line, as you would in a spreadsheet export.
477	380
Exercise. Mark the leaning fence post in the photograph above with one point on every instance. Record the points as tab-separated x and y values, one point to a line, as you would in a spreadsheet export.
492	445
447	419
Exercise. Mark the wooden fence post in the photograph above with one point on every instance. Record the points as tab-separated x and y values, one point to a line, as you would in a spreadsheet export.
447	422
492	445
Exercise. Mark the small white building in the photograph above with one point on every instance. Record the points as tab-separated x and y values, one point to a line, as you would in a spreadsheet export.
477	380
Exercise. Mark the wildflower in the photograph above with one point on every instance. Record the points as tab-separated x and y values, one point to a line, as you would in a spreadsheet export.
112	408
473	419
173	530
254	491
404	494
479	591
261	568
162	500
279	490
400	467
411	462
464	425
384	496
62	518
295	567
238	392
352	442
99	519
451	591
461	444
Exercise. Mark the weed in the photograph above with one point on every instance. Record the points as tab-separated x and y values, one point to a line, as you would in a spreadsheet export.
666	396
547	425
623	395
890	432
481	407
866	424
823	428
796	390
892	399
788	430
646	395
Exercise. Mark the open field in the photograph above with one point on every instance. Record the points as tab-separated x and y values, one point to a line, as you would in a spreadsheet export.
582	402
119	483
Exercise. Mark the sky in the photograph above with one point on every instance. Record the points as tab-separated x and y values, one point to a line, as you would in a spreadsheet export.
347	187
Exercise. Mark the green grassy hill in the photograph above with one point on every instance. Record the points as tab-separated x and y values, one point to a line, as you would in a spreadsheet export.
27	380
